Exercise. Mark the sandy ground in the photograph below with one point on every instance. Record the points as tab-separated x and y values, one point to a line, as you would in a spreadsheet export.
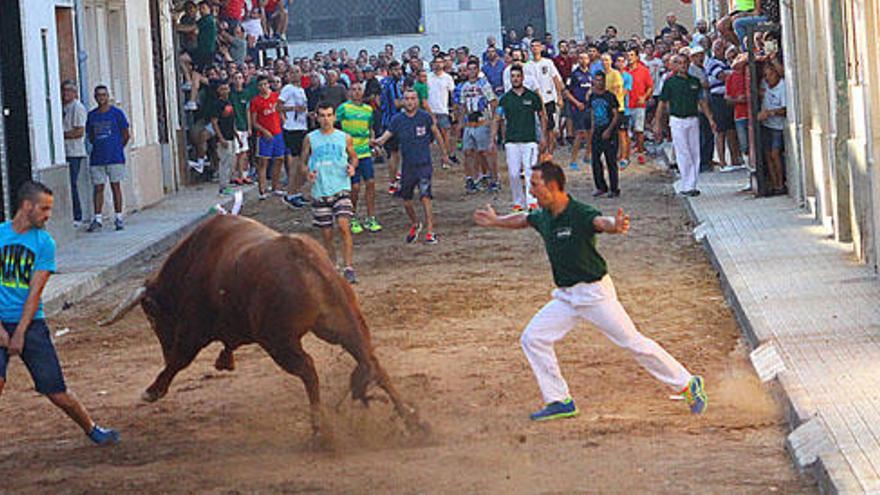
446	320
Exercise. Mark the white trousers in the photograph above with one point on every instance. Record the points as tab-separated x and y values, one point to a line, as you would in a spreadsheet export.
596	304
520	159
686	140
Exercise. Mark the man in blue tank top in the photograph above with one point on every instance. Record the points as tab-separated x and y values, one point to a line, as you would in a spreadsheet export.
332	159
27	253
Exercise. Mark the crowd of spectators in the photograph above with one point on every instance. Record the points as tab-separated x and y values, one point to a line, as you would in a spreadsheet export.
230	43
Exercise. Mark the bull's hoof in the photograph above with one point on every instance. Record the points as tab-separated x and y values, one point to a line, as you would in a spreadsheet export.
151	396
225	362
322	442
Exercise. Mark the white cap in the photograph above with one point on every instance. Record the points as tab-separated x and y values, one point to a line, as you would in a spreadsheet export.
697	50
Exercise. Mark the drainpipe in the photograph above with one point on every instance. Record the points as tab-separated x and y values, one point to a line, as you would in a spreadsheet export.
840	130
648	18
552	24
81	55
577	10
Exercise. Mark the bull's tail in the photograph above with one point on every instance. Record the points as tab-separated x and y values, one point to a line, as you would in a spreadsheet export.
133	300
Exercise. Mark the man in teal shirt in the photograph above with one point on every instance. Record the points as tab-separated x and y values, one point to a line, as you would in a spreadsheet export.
28	258
584	292
332	160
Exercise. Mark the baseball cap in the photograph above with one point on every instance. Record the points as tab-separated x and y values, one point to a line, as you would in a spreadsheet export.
369	68
697	50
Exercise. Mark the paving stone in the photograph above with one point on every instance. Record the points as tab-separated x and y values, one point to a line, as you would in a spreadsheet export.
796	289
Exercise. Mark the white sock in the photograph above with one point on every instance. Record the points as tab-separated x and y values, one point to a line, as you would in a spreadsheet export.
99	218
119	216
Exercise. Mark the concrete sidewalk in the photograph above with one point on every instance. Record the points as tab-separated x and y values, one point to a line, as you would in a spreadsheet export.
93	260
813	317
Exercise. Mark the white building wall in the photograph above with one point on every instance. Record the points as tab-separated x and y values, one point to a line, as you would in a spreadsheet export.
446	24
119	55
38	16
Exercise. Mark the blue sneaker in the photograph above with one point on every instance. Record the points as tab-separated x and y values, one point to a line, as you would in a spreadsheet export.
573	165
556	410
104	436
695	395
294	200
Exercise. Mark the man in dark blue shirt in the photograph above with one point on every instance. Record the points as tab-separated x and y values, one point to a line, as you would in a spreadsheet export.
107	131
392	101
493	69
28	259
578	92
414	128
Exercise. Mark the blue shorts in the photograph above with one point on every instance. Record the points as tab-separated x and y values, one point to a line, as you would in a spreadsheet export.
580	119
364	170
271	148
419	175
39	357
772	139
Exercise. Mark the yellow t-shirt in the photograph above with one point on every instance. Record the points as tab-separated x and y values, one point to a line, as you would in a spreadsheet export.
614	84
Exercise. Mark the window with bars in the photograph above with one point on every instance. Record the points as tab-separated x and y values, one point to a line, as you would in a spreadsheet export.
323	20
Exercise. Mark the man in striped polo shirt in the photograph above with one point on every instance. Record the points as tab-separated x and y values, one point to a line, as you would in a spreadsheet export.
356	118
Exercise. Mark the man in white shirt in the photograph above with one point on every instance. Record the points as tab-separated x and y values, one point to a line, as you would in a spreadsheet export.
74	121
440	86
294	106
529	82
544	71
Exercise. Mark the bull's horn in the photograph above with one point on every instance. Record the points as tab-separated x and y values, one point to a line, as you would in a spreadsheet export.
125	307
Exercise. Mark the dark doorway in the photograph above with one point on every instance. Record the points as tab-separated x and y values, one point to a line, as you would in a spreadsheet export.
15	116
516	14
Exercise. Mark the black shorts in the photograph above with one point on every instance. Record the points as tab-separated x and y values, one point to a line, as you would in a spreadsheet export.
550	108
419	175
722	112
581	119
392	145
293	142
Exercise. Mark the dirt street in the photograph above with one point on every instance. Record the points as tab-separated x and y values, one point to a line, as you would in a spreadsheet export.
446	320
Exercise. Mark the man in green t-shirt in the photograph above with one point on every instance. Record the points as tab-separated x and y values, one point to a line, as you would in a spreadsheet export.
584	292
241	95
520	105
206	43
683	99
356	119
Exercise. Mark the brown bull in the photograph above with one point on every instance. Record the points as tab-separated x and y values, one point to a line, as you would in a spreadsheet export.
239	282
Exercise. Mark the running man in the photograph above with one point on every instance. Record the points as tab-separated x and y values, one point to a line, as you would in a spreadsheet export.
520	105
332	161
477	102
25	245
266	121
584	292
356	119
413	129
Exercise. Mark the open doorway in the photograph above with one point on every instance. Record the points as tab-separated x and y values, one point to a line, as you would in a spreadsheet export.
16	132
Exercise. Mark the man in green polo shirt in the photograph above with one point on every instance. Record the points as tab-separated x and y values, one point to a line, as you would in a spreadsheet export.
584	292
682	98
520	106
